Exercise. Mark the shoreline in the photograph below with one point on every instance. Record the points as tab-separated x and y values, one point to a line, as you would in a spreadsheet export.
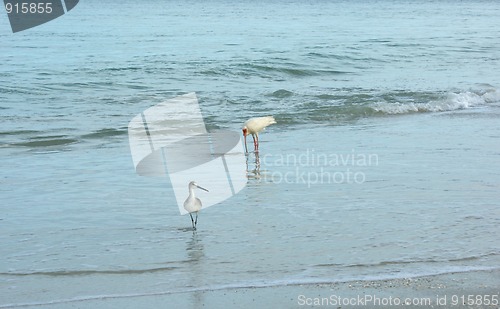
434	291
450	290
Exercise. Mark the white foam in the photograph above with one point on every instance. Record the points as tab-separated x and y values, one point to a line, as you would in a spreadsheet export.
492	96
453	101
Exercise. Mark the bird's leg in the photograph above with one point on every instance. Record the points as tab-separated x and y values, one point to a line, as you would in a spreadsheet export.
255	145
192	221
257	142
196	221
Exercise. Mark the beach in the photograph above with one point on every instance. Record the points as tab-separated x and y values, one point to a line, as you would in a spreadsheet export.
439	291
453	290
380	177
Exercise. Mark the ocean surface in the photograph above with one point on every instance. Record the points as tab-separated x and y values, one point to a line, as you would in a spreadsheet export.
384	162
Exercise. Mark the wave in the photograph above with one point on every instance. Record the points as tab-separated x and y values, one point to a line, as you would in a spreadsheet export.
403	262
86	272
18	132
452	102
281	93
348	105
292	70
57	273
289	108
106	132
256	284
46	142
268	69
40	139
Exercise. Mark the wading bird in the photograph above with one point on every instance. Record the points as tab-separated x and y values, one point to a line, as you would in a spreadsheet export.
192	203
254	126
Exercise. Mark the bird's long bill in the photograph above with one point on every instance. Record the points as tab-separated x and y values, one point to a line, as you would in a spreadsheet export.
246	149
202	188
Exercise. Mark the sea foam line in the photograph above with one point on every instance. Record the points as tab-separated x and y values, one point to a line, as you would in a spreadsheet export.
453	101
249	285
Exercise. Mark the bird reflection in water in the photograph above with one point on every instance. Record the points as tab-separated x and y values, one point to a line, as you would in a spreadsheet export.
253	166
195	259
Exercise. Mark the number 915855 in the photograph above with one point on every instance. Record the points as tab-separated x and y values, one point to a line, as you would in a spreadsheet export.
28	8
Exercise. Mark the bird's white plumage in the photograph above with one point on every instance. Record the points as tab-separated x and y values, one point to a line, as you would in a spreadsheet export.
254	126
257	124
192	203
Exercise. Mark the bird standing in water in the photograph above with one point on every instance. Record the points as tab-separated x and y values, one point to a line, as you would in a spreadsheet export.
192	203
254	126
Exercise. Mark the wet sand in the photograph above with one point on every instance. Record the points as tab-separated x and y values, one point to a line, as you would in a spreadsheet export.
438	291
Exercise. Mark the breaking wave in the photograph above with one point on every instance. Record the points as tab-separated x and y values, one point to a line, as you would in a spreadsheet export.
347	105
453	101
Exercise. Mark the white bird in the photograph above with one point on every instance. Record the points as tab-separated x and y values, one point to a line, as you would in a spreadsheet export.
192	203
254	126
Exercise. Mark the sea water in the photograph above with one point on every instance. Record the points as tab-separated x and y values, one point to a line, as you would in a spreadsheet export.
384	162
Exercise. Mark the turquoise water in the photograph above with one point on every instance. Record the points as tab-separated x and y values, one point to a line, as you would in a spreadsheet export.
383	164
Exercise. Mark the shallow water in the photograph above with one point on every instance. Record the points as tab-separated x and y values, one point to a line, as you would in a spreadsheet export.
383	163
